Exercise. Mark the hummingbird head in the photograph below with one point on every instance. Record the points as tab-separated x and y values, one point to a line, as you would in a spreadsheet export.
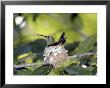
50	40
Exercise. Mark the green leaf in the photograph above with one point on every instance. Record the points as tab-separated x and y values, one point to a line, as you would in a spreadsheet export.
79	70
56	71
70	70
93	61
42	70
68	62
92	69
23	72
86	45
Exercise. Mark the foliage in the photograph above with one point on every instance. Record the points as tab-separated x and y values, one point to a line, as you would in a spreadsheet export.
81	37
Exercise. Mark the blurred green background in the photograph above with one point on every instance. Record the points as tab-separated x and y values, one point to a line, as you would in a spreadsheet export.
80	30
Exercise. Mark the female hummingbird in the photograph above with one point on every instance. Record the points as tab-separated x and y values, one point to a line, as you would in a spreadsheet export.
55	53
50	40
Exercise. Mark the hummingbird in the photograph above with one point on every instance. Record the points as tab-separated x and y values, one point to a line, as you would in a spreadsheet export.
51	42
55	53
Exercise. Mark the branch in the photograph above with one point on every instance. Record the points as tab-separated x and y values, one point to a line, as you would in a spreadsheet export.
79	56
26	65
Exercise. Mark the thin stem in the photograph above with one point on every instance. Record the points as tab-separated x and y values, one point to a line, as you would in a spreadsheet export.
26	65
79	56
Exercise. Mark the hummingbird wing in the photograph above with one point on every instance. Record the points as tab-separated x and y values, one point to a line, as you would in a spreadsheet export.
62	39
62	36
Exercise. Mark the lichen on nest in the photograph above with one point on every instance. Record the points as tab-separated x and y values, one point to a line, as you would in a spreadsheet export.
54	55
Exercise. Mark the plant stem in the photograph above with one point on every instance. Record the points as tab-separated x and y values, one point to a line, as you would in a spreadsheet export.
26	65
79	56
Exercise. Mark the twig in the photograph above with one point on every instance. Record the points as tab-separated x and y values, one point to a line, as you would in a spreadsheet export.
79	56
26	65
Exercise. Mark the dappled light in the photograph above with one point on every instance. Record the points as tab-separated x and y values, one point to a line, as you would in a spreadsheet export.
74	33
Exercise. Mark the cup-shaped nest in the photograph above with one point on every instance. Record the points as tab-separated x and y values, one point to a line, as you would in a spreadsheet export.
54	55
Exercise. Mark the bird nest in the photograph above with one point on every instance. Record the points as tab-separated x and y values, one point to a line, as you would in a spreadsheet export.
54	55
